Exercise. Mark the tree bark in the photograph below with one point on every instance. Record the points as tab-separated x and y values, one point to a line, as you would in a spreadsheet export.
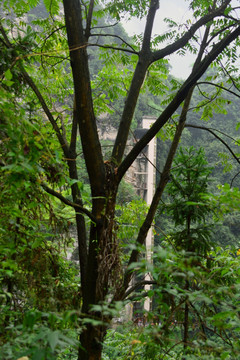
91	339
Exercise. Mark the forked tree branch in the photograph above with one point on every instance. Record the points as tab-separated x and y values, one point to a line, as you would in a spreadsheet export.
169	49
146	58
177	100
83	97
143	63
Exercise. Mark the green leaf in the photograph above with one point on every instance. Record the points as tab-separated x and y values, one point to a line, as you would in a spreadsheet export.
33	3
53	339
39	354
52	6
8	82
8	75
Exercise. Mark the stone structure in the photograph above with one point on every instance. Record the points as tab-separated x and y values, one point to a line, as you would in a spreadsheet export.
142	176
145	175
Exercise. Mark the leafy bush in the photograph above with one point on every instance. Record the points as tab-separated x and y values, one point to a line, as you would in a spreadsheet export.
41	336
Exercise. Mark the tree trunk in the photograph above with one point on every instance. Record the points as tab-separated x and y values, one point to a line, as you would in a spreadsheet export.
102	269
91	341
186	321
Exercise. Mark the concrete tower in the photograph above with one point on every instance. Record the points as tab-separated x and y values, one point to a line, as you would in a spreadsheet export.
145	175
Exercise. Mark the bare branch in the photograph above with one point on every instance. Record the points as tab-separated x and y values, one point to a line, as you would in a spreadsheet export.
77	207
53	122
118	37
206	97
52	32
221	31
229	75
114	48
220	87
235	176
105	26
217	137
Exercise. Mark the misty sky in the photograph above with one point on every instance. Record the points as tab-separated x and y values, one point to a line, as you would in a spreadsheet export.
178	11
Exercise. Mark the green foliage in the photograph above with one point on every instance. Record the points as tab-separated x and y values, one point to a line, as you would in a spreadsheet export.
157	76
19	7
39	287
130	8
126	195
130	216
189	206
214	306
52	6
34	273
228	198
195	289
41	336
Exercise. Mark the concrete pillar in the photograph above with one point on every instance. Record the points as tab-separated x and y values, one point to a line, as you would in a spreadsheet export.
150	188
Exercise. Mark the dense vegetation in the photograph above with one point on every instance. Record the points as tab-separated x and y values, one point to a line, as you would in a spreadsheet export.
68	71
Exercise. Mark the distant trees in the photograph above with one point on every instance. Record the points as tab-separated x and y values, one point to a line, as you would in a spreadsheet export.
50	106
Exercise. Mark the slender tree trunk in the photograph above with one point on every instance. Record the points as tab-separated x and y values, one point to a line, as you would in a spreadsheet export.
186	321
189	247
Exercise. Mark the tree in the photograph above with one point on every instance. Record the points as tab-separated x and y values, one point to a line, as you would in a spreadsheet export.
190	209
59	103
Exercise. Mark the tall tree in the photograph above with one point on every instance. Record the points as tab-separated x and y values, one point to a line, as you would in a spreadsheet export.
35	68
187	189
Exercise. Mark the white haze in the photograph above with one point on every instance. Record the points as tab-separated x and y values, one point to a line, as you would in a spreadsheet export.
178	11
